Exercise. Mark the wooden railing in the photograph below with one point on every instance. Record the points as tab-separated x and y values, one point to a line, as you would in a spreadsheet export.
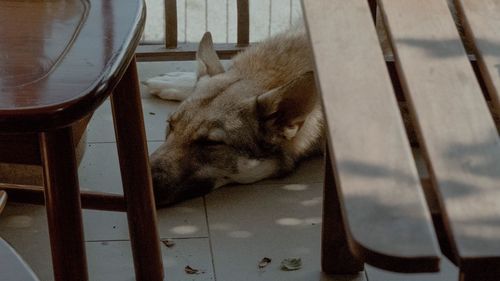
173	50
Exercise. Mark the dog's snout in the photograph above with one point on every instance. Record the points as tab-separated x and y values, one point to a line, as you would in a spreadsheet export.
169	189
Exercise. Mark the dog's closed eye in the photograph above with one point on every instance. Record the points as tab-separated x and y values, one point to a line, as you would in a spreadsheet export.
213	138
204	141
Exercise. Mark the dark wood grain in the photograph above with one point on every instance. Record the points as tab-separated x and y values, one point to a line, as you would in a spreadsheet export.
62	202
63	60
24	148
136	177
455	128
387	219
243	23
33	194
481	21
52	76
170	24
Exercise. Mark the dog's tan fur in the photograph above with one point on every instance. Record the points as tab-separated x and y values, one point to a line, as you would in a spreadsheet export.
255	120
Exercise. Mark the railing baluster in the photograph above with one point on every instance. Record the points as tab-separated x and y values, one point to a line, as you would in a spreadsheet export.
243	23
170	24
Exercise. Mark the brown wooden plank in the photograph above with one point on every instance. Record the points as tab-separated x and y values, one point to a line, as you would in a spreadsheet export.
53	76
32	194
25	149
243	23
458	133
170	24
384	204
482	24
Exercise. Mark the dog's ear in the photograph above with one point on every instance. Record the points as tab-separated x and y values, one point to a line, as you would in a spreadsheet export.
284	109
208	61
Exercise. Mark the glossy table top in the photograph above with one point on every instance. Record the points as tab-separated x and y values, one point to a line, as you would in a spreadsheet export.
59	59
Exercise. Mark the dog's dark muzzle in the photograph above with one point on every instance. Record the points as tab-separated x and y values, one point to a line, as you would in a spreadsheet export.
167	194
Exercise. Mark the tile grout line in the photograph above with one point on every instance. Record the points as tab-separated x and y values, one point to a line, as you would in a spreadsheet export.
209	238
184	238
161	239
366	274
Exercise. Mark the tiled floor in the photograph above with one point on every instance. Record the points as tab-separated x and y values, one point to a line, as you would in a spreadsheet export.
224	234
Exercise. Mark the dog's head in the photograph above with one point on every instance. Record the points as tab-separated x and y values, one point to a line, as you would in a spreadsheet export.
229	130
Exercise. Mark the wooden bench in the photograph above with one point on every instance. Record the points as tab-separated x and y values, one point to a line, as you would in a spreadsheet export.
374	206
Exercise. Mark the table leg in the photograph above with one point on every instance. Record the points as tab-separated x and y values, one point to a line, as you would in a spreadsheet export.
136	177
62	202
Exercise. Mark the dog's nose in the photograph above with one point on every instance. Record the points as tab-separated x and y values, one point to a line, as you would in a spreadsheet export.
168	192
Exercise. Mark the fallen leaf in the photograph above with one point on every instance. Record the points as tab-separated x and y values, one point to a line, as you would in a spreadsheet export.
264	262
190	270
169	243
291	264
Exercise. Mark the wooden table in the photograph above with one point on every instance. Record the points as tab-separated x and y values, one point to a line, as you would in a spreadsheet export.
375	209
59	60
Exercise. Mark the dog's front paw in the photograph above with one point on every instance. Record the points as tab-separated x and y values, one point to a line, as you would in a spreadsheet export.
172	86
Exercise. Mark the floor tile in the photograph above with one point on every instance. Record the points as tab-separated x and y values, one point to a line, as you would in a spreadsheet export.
99	171
156	112
247	223
24	226
308	171
112	260
185	220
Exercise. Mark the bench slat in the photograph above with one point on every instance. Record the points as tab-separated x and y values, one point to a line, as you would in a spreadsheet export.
455	127
384	204
482	21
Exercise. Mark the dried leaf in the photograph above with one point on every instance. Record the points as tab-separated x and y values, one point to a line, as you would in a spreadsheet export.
291	264
264	262
169	243
190	270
